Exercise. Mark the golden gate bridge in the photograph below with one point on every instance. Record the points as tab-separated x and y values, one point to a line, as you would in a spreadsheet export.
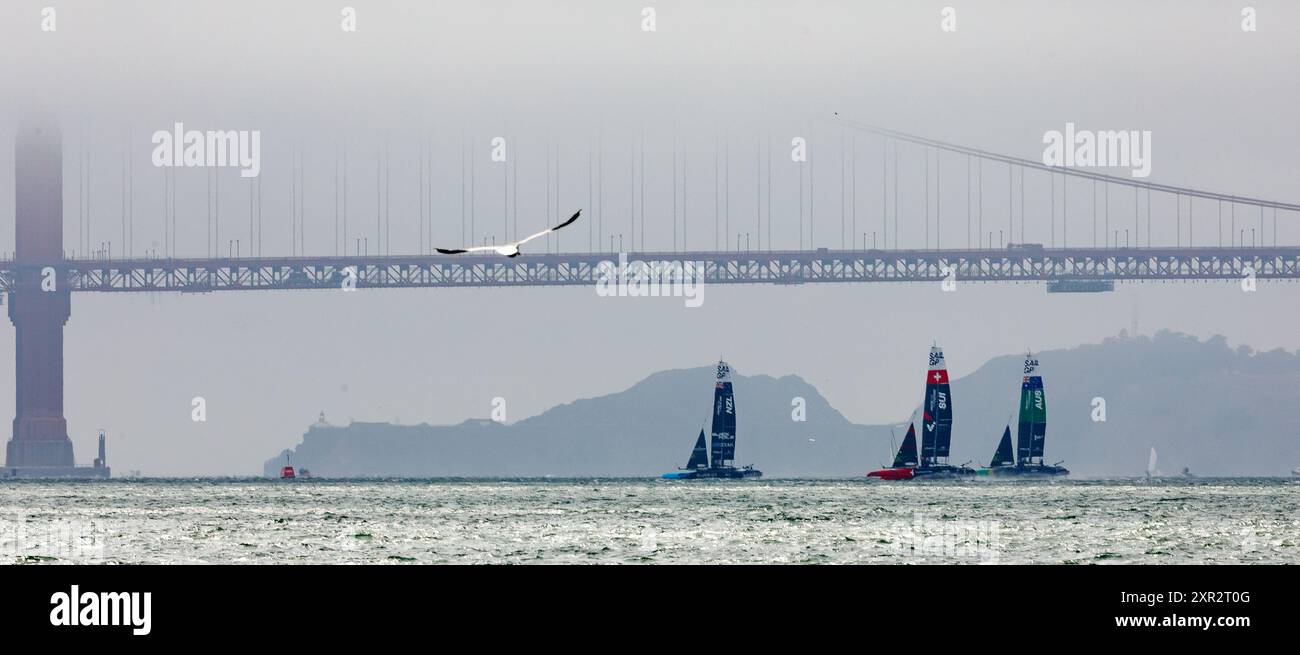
39	278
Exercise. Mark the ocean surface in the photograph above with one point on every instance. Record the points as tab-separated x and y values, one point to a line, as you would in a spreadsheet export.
650	521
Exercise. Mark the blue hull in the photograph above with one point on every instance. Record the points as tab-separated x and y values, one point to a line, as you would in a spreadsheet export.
728	473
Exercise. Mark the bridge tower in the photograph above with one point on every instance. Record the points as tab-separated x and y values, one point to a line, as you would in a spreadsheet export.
40	445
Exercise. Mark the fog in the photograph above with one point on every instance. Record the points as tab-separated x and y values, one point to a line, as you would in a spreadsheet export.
576	82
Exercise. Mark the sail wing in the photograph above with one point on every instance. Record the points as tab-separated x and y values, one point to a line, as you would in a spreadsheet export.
699	456
724	418
936	423
906	456
1031	433
1003	456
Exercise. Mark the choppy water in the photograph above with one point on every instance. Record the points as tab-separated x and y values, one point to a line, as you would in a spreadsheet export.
644	521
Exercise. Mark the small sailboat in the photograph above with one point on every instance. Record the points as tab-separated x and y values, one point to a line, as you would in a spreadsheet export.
1003	456
904	461
1031	433
720	461
936	430
1151	463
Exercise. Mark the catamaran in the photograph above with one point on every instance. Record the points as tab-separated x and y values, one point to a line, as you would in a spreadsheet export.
936	432
1031	433
723	452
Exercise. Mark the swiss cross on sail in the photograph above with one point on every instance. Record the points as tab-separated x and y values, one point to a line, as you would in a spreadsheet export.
936	434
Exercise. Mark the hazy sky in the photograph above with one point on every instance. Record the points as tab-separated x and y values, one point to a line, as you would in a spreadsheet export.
1218	101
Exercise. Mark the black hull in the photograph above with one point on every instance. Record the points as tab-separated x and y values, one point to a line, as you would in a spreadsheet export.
1026	472
725	473
941	472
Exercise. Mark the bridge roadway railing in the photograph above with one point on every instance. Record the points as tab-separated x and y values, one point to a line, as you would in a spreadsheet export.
735	267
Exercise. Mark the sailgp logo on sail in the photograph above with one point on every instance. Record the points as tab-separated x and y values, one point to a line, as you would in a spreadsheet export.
194	149
640	279
1088	149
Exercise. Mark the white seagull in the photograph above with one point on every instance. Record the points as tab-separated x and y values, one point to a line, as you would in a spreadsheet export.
509	249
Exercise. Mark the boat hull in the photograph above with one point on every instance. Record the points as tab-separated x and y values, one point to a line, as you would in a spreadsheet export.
892	474
1024	472
725	473
923	473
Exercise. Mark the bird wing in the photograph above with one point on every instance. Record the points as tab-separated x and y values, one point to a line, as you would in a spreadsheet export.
457	251
572	218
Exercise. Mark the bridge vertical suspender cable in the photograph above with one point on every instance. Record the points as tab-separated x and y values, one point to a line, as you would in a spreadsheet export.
81	191
642	191
130	191
207	178
558	146
125	146
547	218
259	216
473	201
251	215
388	205
768	139
345	204
463	182
336	203
853	216
505	189
631	195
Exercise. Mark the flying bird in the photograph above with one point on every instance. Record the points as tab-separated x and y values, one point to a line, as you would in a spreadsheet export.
509	249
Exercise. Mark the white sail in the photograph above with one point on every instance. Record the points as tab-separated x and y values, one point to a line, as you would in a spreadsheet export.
1151	463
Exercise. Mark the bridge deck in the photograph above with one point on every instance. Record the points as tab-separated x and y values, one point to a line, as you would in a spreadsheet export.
753	267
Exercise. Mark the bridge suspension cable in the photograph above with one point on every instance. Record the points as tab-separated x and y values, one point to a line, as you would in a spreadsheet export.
1076	172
